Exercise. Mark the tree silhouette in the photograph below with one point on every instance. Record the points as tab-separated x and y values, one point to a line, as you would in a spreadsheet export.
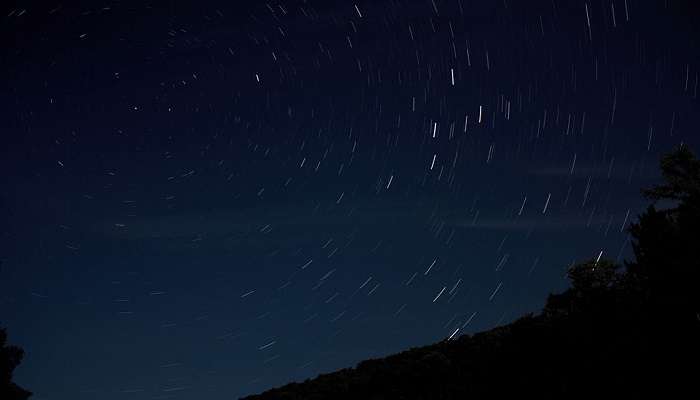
666	242
10	357
681	171
594	284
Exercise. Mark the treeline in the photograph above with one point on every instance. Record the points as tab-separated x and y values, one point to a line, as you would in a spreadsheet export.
620	330
625	330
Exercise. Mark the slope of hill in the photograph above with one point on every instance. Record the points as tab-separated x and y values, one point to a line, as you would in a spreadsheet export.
619	330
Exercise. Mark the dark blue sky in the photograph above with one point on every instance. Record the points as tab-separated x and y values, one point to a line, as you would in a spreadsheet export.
209	199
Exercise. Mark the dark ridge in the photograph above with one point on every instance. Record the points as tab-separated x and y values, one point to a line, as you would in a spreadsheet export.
619	330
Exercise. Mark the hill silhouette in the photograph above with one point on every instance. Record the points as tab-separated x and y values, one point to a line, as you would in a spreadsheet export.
619	330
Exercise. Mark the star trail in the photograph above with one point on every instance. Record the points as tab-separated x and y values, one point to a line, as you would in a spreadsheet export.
210	199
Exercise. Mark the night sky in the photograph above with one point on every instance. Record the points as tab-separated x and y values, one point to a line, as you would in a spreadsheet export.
204	200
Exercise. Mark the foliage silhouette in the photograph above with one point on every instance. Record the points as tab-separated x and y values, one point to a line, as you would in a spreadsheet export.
617	331
10	357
